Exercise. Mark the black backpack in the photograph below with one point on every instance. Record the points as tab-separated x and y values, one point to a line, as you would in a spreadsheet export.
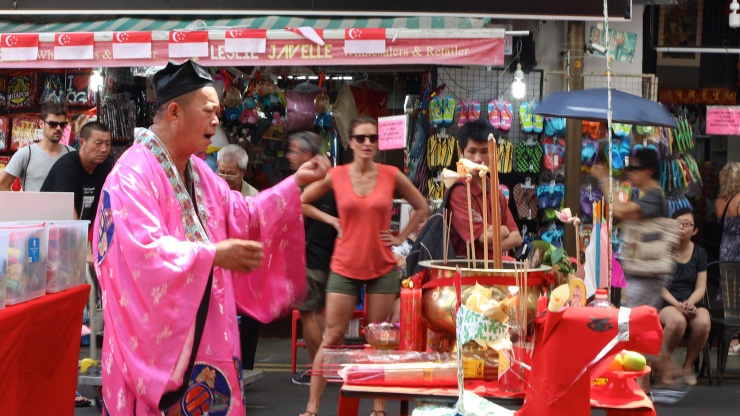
429	244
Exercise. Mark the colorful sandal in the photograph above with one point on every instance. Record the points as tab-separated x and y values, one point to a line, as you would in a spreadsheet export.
473	110
462	113
525	118
448	110
494	114
505	156
507	115
538	122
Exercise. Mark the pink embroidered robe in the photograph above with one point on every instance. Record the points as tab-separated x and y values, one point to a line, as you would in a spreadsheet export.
153	262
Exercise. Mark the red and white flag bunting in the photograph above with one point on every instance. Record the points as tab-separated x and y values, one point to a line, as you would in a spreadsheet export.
245	41
314	35
188	44
19	47
132	45
364	40
73	46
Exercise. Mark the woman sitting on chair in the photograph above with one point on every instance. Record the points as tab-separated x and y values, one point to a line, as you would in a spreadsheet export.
683	307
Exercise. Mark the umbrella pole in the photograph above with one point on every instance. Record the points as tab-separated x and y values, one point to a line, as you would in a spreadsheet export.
495	206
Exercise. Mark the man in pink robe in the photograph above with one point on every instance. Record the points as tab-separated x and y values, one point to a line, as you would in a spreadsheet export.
178	254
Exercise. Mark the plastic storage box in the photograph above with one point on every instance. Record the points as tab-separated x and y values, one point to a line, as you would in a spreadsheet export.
65	266
4	236
27	252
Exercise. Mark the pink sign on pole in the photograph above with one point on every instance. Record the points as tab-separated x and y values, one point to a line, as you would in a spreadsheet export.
392	132
723	120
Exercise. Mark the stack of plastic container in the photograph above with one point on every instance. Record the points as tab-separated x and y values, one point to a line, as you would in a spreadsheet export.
67	255
4	236
27	253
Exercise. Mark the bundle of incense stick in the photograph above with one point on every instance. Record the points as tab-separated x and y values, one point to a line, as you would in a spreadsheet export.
521	271
495	208
446	226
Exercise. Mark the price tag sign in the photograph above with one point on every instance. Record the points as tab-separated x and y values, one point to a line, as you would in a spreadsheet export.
392	132
723	120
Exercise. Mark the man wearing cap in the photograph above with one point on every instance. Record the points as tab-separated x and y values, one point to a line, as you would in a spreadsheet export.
178	254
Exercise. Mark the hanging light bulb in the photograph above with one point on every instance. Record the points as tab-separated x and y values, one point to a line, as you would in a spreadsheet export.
518	87
96	80
734	17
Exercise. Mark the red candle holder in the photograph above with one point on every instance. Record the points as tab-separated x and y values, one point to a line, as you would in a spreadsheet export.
413	330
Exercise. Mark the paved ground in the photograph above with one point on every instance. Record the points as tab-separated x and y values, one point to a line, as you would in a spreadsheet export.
275	395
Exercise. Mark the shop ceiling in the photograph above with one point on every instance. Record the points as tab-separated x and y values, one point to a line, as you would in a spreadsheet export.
530	9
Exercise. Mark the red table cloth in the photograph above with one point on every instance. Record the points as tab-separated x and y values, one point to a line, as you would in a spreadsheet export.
39	351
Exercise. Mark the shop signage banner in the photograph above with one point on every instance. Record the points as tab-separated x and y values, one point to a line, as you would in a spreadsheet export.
622	45
429	51
723	120
522	9
392	132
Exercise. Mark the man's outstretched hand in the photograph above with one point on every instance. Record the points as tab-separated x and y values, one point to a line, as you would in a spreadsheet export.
239	255
312	171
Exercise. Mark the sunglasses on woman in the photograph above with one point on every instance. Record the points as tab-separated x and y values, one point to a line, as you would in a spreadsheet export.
360	138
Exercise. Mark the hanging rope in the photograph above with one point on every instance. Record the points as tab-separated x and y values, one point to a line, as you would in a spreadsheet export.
610	153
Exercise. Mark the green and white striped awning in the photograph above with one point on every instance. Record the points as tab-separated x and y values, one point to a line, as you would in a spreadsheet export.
410	40
255	22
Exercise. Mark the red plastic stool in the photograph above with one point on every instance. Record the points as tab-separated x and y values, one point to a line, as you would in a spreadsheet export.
295	343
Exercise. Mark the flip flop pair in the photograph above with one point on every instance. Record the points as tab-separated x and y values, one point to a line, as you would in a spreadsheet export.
621	129
555	126
467	111
525	200
645	145
594	129
528	156
505	155
589	154
589	195
554	153
620	152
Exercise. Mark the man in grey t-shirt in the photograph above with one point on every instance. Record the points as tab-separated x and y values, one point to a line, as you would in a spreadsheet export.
32	163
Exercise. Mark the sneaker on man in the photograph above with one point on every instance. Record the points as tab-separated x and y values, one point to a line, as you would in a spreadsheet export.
302	379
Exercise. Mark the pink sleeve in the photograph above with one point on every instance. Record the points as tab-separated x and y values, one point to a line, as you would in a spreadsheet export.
273	217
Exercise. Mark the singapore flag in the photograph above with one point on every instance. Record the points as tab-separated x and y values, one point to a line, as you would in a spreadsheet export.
364	40
188	44
19	47
245	41
73	46
132	45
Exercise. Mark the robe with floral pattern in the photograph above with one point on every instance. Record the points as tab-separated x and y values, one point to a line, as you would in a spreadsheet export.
153	259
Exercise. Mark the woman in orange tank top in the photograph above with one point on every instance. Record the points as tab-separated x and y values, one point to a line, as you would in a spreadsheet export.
364	193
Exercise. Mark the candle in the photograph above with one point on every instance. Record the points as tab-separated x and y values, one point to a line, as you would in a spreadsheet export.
412	329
